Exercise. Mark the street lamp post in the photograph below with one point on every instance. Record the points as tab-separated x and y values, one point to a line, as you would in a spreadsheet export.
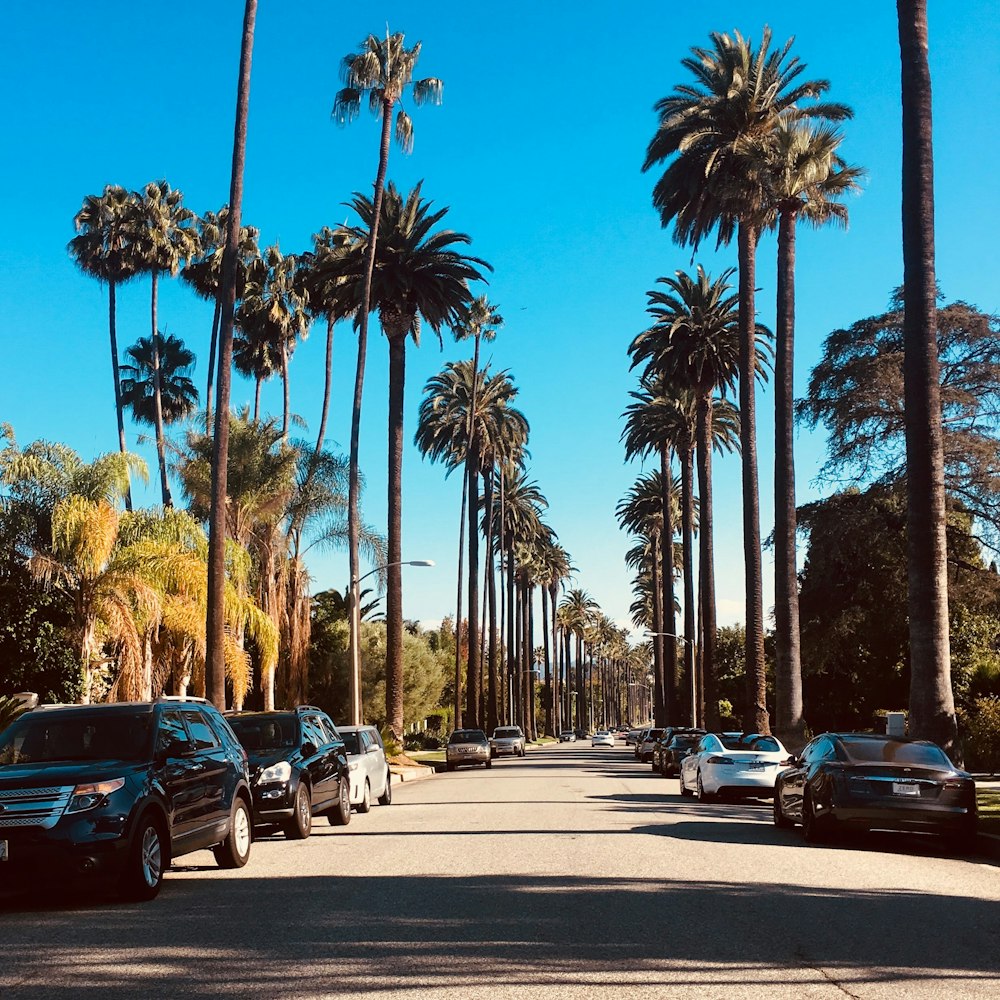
354	639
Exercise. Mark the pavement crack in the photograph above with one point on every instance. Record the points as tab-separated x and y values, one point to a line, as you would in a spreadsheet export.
807	963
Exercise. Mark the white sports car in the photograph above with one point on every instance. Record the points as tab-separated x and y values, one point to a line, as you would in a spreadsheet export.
732	764
602	738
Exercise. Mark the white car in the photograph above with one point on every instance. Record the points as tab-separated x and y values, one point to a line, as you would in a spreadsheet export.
370	777
602	738
732	764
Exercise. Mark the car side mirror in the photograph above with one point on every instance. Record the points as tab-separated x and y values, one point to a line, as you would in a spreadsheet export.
308	749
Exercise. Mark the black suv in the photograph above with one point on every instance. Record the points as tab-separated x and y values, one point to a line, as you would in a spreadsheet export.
118	791
298	768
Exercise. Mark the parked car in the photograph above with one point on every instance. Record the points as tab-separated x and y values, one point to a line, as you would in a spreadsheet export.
631	735
644	745
507	740
298	768
370	774
467	746
116	792
732	764
671	751
567	736
602	738
864	781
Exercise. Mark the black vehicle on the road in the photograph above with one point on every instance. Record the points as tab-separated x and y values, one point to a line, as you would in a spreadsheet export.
871	782
675	743
116	792
298	768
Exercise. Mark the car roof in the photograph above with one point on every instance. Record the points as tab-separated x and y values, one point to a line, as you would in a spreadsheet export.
107	708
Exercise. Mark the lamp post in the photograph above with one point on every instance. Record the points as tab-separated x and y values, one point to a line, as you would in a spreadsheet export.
354	640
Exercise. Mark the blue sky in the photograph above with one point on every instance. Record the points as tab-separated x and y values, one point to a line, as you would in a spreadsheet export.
537	150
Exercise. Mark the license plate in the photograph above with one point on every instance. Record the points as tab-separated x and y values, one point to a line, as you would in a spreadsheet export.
757	767
903	789
4	853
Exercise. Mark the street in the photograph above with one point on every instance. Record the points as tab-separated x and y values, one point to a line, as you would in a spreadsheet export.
572	873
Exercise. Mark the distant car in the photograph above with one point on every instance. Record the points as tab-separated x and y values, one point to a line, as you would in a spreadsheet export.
602	738
370	775
670	752
567	736
298	768
467	746
507	741
644	747
864	781
732	764
631	735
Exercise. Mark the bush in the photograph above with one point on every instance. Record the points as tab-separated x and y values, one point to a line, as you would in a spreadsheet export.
422	741
980	728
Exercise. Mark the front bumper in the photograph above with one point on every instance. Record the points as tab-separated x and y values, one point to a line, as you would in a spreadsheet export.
506	750
273	803
473	757
69	852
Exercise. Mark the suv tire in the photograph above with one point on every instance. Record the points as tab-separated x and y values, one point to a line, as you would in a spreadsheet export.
365	804
340	815
385	798
147	856
234	851
300	825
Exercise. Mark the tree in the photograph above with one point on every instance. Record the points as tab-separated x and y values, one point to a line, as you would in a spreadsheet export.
103	249
178	396
579	608
380	71
932	707
712	133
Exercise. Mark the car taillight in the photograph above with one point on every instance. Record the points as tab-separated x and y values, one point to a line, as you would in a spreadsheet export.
953	784
719	760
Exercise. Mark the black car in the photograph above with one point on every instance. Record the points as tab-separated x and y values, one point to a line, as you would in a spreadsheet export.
866	781
298	768
672	747
116	792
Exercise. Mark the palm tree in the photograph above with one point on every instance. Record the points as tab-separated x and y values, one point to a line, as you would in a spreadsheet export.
254	357
554	567
163	238
103	250
421	277
711	131
580	608
932	707
380	71
804	176
178	396
215	622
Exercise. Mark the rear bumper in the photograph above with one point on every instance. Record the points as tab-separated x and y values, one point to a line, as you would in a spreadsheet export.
903	817
753	784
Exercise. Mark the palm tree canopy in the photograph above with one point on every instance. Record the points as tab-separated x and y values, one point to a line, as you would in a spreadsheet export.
179	396
273	309
103	246
481	318
164	235
204	274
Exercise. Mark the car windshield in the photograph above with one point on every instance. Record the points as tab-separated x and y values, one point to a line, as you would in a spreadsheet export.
468	736
505	734
44	737
683	742
732	741
265	732
766	744
653	734
868	751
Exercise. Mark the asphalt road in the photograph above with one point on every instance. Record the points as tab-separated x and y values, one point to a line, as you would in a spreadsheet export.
573	874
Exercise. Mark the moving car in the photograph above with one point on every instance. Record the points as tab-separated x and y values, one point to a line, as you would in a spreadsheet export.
602	738
115	793
369	770
507	740
631	735
865	781
467	746
732	764
567	736
298	768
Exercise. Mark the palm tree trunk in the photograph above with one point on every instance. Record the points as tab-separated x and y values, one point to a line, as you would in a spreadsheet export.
549	687
394	548
259	382
580	707
213	346
756	679
512	678
161	454
669	616
788	663
687	529
529	655
285	397
116	373
932	707
492	702
658	629
473	690
324	413
458	608
353	472
215	669
709	707
557	677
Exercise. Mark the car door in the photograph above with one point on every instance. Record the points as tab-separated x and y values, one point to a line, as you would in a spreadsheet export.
321	765
181	776
338	754
793	781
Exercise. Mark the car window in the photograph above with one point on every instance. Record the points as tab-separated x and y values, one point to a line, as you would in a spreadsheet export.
366	740
266	731
766	744
330	729
352	743
815	751
709	742
893	752
468	736
312	731
202	735
171	731
46	736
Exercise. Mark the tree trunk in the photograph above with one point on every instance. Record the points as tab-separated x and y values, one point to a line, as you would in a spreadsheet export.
709	704
670	714
324	413
394	548
932	707
161	453
512	678
458	608
492	700
549	687
285	400
788	664
473	692
757	720
116	373
580	707
687	529
213	346
215	624
658	630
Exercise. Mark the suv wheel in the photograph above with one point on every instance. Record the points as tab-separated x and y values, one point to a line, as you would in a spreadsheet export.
300	825
143	873
385	798
366	799
234	851
340	815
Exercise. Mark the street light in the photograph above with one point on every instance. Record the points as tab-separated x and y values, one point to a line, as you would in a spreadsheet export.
354	640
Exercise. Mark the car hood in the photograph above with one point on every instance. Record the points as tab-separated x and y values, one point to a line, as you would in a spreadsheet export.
259	760
57	774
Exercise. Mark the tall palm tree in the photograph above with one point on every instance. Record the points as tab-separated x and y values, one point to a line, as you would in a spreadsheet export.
932	707
102	248
421	278
254	357
381	71
580	608
178	396
215	621
803	177
553	568
708	131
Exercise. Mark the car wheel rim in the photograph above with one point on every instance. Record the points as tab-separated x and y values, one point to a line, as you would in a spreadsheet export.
242	831
152	857
304	810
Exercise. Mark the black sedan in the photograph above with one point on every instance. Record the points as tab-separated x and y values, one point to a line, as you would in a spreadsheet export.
298	768
864	781
670	752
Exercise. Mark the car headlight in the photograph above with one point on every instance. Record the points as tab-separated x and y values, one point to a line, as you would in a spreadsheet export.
86	797
281	771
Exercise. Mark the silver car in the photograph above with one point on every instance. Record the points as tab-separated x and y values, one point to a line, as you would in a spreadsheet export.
370	777
467	746
507	740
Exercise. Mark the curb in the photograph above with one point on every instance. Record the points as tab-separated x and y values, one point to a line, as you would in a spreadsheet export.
411	773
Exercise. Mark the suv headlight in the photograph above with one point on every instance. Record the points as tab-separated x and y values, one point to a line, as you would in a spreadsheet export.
86	797
281	771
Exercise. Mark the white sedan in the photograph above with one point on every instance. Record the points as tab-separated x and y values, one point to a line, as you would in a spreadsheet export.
733	764
602	738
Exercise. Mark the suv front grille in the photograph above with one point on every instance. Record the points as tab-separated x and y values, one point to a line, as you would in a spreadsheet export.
33	806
